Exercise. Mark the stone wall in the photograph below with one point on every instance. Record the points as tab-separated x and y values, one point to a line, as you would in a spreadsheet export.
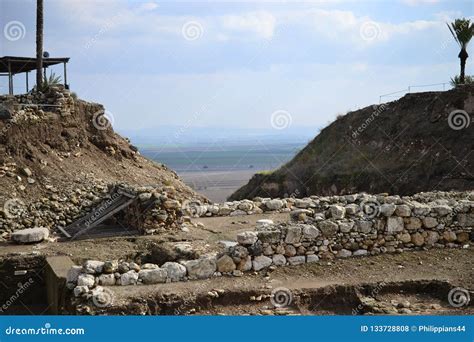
314	203
61	208
360	225
24	107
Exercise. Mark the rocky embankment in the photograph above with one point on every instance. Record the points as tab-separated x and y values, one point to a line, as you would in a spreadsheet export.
421	142
326	228
59	157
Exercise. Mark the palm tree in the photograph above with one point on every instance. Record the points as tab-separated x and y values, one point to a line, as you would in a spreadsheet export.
462	31
39	43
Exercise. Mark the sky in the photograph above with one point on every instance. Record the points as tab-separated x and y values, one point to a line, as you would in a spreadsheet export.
282	65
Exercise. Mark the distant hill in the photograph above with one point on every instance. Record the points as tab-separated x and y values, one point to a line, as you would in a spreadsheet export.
402	147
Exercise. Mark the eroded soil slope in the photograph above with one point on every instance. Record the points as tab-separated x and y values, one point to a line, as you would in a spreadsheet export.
402	147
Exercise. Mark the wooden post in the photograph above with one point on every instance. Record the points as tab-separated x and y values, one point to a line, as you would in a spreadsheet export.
65	76
10	79
27	88
44	74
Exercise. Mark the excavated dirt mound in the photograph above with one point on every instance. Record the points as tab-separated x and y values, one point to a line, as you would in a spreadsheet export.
56	160
402	147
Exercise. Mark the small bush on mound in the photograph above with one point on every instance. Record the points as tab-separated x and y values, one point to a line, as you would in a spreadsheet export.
52	80
265	172
455	81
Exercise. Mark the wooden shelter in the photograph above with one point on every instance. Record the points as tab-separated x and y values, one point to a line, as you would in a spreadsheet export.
10	65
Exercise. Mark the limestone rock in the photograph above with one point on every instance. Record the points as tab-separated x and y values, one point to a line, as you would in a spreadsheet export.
346	227
328	228
107	279
412	223
364	226
176	271
279	260
30	235
225	264
432	238
93	266
312	258
154	276
360	252
129	278
403	210
200	268
261	262
430	222
449	236
310	232
337	211
394	224
418	239
344	253
297	260
274	204
442	210
86	280
387	209
247	238
293	234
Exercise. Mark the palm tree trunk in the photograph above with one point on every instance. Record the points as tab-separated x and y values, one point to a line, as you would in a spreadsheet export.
39	43
463	58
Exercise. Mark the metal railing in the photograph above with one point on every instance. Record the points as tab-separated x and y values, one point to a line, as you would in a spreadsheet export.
408	90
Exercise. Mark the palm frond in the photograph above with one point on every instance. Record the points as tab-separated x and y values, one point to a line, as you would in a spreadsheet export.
462	31
452	32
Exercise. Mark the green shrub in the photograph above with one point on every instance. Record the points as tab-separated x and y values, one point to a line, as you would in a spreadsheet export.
52	80
455	81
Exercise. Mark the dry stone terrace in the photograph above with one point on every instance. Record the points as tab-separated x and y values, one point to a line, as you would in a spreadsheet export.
321	228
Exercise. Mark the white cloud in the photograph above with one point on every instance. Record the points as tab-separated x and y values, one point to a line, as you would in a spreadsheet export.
148	6
261	23
419	2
